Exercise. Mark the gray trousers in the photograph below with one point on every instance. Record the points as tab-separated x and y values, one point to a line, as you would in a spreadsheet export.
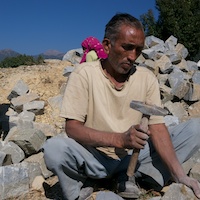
73	163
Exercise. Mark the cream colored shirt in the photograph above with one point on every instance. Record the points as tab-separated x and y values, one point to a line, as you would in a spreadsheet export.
90	97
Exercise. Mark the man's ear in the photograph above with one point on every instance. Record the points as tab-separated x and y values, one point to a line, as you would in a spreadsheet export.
106	45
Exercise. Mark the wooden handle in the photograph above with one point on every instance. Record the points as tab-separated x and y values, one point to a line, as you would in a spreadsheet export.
135	154
133	162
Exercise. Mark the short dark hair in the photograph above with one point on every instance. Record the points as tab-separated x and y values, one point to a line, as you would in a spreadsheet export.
113	26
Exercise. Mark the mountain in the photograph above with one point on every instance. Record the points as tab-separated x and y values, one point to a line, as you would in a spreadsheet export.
50	54
8	53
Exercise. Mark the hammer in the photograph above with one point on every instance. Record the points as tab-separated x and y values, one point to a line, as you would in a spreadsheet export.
147	111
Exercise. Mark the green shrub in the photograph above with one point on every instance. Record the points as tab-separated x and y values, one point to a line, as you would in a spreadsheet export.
21	60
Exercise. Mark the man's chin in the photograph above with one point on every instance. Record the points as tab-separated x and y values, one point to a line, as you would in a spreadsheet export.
125	70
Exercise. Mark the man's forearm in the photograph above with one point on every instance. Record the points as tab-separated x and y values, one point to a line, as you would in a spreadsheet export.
88	136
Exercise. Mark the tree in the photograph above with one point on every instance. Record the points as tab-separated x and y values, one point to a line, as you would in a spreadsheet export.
20	60
39	60
149	22
180	18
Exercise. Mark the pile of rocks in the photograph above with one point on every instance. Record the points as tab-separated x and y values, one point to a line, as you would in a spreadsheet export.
21	158
179	79
20	150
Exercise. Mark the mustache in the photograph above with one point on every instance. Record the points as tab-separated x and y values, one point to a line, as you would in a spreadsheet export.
128	63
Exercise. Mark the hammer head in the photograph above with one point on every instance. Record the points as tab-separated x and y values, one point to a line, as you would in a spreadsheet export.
148	109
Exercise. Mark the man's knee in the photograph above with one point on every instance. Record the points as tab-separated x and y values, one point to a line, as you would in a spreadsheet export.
54	152
195	128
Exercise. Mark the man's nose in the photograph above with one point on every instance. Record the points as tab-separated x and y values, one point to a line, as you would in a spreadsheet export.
132	55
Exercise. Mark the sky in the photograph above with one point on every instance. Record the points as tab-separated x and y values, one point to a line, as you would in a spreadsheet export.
32	27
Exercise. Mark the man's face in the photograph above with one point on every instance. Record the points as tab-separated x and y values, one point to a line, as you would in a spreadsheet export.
126	48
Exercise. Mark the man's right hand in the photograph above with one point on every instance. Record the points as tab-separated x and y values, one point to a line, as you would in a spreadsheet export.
135	137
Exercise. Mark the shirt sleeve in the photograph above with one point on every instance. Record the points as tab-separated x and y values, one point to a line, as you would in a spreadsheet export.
75	99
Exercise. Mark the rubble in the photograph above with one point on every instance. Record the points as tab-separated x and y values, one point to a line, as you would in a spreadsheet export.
24	131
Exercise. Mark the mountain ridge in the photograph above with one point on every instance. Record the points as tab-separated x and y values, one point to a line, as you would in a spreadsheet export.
49	54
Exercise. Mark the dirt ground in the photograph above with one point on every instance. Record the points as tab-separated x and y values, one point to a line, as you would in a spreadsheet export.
44	80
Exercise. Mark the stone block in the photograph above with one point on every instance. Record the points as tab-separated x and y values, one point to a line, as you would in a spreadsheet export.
29	140
178	191
177	109
151	41
14	181
36	107
19	89
195	171
194	109
164	64
178	82
17	154
181	50
27	116
67	71
18	102
47	129
148	53
39	158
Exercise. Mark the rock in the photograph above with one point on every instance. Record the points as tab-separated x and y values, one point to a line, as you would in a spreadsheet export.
30	140
178	191
18	102
37	107
19	89
14	180
16	153
38	183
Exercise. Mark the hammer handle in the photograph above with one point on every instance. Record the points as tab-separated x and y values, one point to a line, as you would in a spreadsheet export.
135	154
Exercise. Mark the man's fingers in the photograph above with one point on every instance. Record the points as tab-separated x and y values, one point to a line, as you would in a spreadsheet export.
195	185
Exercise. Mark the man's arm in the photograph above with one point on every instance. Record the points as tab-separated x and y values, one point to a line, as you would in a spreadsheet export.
163	145
132	138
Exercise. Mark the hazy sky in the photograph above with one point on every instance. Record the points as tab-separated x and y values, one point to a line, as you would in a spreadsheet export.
35	26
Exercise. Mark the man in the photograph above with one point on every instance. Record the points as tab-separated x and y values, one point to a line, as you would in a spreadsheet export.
102	128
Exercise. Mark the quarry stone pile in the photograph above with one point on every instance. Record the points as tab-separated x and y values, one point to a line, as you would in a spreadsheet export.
31	99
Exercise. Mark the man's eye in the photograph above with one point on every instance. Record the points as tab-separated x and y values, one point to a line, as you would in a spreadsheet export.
128	47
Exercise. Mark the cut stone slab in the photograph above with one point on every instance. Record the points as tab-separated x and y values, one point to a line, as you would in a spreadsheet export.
181	50
193	93
27	116
177	109
19	89
39	158
195	172
151	41
47	129
36	107
178	82
148	53
18	102
2	158
164	64
171	42
14	180
74	56
196	77
17	154
194	109
178	192
67	71
30	140
38	183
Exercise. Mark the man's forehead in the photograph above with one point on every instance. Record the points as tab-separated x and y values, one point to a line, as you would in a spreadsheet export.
130	35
